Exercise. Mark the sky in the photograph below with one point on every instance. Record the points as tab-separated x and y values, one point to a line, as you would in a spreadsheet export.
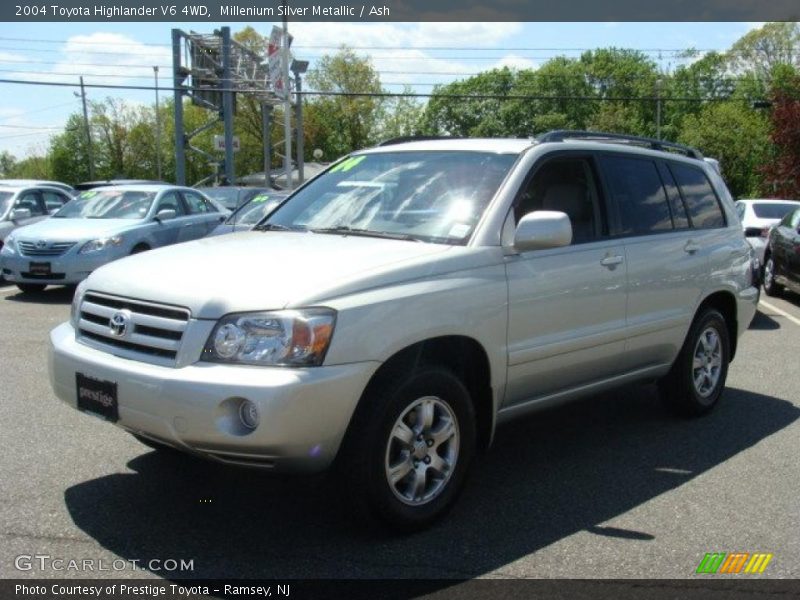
418	54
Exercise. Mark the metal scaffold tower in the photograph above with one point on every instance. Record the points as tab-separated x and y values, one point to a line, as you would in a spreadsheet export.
212	69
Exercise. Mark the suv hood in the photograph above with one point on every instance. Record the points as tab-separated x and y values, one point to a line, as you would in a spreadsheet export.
262	270
74	229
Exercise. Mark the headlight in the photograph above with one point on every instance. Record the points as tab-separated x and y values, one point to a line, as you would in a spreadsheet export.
75	309
292	338
10	245
101	244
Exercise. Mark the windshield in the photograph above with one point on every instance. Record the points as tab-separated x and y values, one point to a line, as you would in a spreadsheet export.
109	204
434	196
772	210
255	210
228	197
5	202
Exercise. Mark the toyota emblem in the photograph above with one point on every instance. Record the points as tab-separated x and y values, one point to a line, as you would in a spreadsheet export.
118	324
41	244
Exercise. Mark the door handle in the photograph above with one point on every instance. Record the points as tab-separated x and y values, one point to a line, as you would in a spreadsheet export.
187	224
611	261
691	247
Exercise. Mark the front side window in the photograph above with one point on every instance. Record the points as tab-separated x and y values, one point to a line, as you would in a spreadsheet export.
108	204
433	196
197	204
170	201
565	185
636	187
53	200
30	201
704	208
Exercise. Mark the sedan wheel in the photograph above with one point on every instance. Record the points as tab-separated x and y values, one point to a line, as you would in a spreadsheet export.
771	288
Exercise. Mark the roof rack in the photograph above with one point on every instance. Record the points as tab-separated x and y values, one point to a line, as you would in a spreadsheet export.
560	135
416	138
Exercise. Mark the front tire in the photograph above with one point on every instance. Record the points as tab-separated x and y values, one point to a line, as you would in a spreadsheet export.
771	287
409	448
697	378
31	288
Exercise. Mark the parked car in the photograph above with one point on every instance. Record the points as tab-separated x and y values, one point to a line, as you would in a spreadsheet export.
102	225
26	204
37	183
90	185
232	197
758	216
387	316
782	266
251	212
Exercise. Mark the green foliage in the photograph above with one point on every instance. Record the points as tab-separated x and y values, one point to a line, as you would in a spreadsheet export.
736	136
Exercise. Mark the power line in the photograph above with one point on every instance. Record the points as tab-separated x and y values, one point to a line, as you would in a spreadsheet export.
28	127
37	110
382	94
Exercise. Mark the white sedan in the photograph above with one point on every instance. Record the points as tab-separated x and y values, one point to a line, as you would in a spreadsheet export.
758	216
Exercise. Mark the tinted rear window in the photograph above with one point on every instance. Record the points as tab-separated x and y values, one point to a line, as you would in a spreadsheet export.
700	198
771	210
636	187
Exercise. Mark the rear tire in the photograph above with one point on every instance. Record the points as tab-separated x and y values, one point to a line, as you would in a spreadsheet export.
697	378
407	452
771	287
31	288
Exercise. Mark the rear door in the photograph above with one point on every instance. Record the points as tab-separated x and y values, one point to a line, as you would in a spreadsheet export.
667	259
566	305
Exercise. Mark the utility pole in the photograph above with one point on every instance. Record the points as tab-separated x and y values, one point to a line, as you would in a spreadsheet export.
88	132
287	102
298	68
158	127
266	140
658	108
227	105
178	78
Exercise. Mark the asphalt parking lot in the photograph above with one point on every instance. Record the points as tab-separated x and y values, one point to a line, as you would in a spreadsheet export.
609	487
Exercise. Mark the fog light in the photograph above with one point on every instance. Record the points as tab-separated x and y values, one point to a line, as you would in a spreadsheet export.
248	413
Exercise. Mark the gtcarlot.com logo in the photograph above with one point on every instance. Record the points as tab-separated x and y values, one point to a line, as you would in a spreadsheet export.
733	563
46	562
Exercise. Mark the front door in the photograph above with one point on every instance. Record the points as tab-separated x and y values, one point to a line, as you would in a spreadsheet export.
566	305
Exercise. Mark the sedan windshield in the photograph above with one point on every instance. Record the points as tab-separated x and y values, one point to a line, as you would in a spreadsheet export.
109	204
255	210
772	210
5	202
434	196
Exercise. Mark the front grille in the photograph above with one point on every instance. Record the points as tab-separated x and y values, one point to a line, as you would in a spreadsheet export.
51	249
153	332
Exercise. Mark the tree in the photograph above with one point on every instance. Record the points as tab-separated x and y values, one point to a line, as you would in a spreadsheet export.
348	119
735	135
7	163
760	50
782	171
446	115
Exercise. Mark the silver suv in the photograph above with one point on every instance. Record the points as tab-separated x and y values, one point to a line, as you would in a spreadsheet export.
397	308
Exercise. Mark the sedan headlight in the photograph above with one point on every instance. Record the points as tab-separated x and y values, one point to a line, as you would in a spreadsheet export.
101	244
10	245
292	338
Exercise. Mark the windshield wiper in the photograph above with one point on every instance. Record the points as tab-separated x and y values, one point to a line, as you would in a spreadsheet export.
345	230
276	227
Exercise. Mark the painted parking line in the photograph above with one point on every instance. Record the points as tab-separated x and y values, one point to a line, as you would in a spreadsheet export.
781	312
7	291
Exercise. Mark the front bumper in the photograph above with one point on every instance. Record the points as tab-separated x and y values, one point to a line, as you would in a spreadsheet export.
304	413
70	268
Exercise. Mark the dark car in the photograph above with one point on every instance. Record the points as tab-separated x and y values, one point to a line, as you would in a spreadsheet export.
232	197
251	212
782	261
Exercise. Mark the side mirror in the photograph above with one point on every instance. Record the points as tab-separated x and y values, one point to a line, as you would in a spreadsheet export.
543	229
165	214
20	213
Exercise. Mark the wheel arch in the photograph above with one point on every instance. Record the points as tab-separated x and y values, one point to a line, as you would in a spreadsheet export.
463	355
725	303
